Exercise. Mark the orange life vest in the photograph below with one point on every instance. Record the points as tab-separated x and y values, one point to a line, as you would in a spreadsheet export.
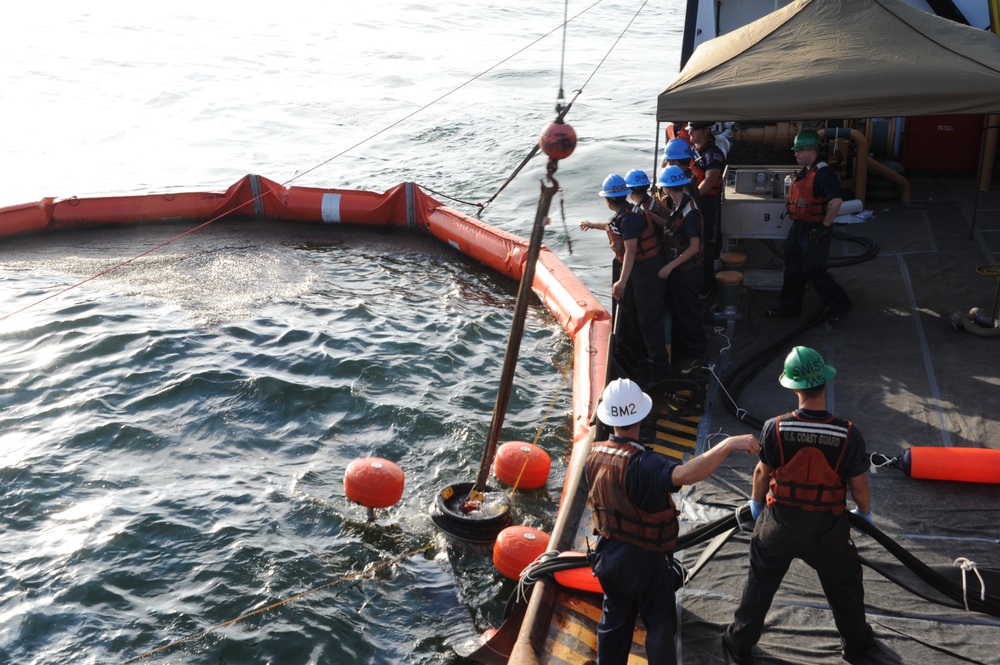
615	516
802	204
656	211
806	479
648	244
698	168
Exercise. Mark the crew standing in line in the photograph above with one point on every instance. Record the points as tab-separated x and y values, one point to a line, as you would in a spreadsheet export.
682	247
708	166
636	245
636	518
814	201
808	460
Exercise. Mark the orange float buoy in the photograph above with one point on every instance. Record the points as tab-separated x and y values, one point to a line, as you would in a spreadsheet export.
970	465
558	140
516	547
374	483
521	464
486	635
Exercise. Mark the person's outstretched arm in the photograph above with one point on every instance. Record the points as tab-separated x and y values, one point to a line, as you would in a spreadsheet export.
703	465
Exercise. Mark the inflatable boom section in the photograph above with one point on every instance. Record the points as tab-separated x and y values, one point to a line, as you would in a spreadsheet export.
254	197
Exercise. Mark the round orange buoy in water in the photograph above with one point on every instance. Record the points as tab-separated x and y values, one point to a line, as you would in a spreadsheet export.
522	464
487	634
374	482
558	140
516	547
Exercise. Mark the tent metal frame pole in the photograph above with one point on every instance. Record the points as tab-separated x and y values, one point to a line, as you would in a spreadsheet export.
987	153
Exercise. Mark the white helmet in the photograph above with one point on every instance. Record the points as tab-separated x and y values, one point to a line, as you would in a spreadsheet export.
623	403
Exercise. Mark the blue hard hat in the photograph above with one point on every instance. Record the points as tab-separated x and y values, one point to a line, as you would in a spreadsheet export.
678	149
637	178
673	176
614	187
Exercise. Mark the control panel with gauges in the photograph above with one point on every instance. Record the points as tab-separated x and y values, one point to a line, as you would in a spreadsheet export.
753	202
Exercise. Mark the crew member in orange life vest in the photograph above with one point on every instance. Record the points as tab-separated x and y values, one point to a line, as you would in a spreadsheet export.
808	460
682	247
636	289
708	165
814	201
630	490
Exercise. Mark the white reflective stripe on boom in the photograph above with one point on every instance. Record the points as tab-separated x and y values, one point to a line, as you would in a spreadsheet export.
330	208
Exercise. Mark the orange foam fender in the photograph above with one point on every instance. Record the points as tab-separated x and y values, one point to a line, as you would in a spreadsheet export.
970	465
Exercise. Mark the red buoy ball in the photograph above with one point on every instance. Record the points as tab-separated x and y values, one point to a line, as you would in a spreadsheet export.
374	482
558	140
486	635
516	547
522	464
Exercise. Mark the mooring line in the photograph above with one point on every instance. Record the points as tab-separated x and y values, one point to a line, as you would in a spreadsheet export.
194	636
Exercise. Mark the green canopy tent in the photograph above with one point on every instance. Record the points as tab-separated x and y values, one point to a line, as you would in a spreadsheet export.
841	59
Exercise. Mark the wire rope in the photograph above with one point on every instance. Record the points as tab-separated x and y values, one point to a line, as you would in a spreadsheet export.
564	109
309	170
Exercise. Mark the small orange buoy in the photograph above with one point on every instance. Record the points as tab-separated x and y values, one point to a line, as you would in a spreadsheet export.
558	140
516	547
522	464
374	482
487	634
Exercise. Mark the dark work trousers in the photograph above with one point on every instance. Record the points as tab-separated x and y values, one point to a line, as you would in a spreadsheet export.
629	349
711	238
635	583
805	261
823	541
687	336
647	291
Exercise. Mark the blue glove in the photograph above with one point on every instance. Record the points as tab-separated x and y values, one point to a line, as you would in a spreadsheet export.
756	508
866	516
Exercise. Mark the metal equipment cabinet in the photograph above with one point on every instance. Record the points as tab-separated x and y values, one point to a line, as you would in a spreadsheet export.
753	203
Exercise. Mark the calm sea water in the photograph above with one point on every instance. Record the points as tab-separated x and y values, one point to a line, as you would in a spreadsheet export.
174	435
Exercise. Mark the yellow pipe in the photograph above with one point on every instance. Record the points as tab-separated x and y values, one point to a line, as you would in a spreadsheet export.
884	170
860	164
781	135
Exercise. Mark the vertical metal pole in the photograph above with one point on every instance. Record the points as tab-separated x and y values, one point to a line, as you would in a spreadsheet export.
516	333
